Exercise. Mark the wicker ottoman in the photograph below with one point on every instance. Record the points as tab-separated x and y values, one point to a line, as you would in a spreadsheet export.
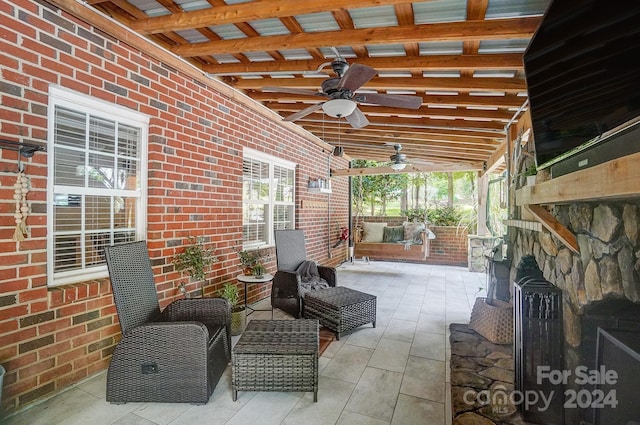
276	355
340	309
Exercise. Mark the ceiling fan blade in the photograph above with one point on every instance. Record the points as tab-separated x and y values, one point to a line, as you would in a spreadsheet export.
356	76
357	119
293	91
303	113
391	100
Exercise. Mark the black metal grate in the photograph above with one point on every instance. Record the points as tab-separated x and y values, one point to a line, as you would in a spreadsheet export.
539	341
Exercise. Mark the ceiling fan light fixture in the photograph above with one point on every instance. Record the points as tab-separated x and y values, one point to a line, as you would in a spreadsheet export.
339	108
398	166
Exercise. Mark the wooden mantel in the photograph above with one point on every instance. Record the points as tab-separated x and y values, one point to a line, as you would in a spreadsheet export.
616	179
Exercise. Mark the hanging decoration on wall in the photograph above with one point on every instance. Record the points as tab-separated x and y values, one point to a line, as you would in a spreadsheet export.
21	187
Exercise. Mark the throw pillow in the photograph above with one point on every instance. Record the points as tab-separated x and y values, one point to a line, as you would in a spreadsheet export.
412	231
393	234
373	232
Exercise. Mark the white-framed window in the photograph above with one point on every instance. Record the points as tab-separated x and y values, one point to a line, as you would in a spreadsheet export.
268	197
97	180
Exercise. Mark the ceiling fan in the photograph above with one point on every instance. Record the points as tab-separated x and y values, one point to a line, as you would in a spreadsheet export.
342	98
398	160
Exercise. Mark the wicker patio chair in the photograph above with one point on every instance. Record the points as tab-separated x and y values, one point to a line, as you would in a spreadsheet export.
290	253
176	355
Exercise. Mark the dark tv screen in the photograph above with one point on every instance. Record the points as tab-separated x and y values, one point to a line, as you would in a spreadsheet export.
582	69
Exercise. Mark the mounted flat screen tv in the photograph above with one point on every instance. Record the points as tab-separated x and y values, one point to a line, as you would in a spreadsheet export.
582	69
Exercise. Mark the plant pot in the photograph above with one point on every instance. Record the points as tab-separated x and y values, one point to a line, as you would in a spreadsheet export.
238	321
531	180
247	270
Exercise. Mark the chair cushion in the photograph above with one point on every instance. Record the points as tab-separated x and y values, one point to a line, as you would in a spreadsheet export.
412	231
393	234
373	232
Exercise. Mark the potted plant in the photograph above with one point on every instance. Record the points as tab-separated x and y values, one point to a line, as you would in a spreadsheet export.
194	260
248	259
231	293
530	174
259	270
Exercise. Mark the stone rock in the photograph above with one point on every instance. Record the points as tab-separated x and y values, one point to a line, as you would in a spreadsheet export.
572	325
499	413
498	374
459	362
610	277
564	261
630	281
631	222
469	349
605	223
460	327
580	216
584	243
506	363
592	283
547	243
470	418
457	336
464	399
469	378
498	355
599	248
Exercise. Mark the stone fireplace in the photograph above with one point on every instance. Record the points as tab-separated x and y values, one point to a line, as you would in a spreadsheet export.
600	285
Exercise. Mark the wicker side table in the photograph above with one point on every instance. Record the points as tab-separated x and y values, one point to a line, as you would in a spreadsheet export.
276	355
340	309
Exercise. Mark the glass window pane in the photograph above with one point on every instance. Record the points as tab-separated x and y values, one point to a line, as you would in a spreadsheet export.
123	237
102	135
97	212
128	141
66	218
68	253
124	212
70	127
69	167
94	247
100	171
127	175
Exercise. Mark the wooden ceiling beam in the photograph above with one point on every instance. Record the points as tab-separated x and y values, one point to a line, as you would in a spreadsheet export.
404	137
410	143
423	111
464	84
431	134
246	12
443	167
461	99
498	62
454	124
428	151
494	29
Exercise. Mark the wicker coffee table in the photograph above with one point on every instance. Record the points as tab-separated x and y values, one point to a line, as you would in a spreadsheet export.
276	355
340	309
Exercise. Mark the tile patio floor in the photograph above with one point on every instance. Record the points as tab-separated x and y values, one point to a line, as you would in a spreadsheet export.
394	374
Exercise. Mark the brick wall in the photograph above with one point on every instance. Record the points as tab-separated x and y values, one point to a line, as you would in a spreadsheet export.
448	248
54	337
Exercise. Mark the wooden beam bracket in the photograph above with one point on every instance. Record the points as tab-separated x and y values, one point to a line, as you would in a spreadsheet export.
550	223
